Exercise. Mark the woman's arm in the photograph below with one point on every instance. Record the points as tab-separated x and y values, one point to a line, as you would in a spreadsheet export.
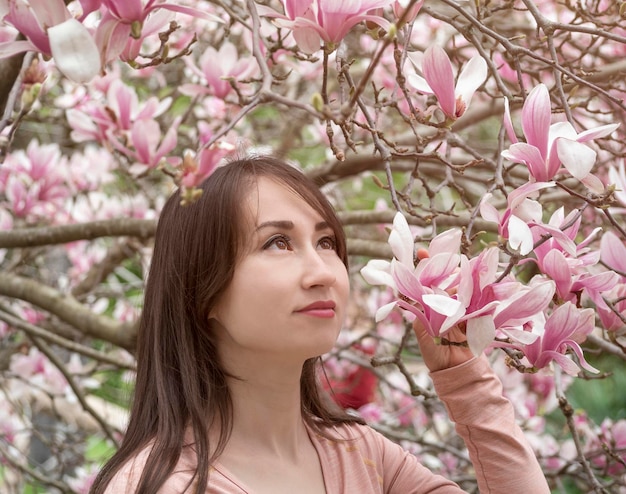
484	418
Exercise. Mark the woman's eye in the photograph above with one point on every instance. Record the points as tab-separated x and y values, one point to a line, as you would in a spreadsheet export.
328	243
279	242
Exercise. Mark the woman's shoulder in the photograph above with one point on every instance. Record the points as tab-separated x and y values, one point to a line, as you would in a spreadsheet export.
351	436
127	478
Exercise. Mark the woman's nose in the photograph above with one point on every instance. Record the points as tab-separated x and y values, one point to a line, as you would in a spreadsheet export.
319	269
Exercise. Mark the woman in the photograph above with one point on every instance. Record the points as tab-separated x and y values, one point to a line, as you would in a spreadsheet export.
247	288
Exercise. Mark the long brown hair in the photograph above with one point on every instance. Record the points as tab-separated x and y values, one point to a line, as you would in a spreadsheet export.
180	383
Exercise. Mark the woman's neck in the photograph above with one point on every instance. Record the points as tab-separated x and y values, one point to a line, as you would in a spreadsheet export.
267	412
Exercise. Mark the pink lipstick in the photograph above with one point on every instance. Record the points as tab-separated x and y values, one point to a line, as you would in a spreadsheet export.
321	308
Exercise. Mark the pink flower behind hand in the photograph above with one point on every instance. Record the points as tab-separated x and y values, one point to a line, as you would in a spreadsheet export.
564	329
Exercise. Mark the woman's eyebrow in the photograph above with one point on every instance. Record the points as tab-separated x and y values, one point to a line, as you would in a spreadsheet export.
284	224
289	225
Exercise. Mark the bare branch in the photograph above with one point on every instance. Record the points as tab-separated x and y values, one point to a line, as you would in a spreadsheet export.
68	309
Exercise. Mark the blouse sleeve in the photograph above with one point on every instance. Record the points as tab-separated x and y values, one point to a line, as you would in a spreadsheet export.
127	478
501	456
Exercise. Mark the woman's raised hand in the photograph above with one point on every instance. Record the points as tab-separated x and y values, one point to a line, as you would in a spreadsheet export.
451	352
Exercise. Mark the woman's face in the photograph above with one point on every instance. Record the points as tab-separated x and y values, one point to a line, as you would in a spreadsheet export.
289	291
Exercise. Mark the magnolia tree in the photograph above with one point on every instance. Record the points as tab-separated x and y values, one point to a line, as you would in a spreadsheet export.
473	151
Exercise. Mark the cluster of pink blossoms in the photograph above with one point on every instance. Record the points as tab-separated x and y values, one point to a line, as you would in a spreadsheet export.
81	52
544	318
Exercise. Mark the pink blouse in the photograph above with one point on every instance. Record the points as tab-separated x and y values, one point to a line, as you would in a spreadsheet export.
362	461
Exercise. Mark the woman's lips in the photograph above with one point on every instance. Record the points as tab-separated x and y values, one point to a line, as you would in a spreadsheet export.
321	308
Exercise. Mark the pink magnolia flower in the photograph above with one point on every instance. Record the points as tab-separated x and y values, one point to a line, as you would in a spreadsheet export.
400	7
447	288
88	6
568	263
613	434
521	211
613	320
32	181
547	146
313	21
133	13
37	369
564	329
194	171
126	18
147	145
102	120
439	80
216	66
570	281
613	255
51	30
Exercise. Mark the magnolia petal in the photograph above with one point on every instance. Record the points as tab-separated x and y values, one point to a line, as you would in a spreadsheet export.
481	331
487	210
442	304
600	282
508	122
536	115
401	240
613	252
581	358
521	336
525	304
419	315
74	50
487	266
378	272
419	84
576	157
471	78
555	266
596	133
529	211
517	196
593	183
405	281
434	270
520	236
522	152
450	321
561	325
566	243
307	39
448	241
586	324
10	48
145	136
437	71
564	362
562	129
384	311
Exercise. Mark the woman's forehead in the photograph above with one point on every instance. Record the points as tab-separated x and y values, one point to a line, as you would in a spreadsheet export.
273	201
